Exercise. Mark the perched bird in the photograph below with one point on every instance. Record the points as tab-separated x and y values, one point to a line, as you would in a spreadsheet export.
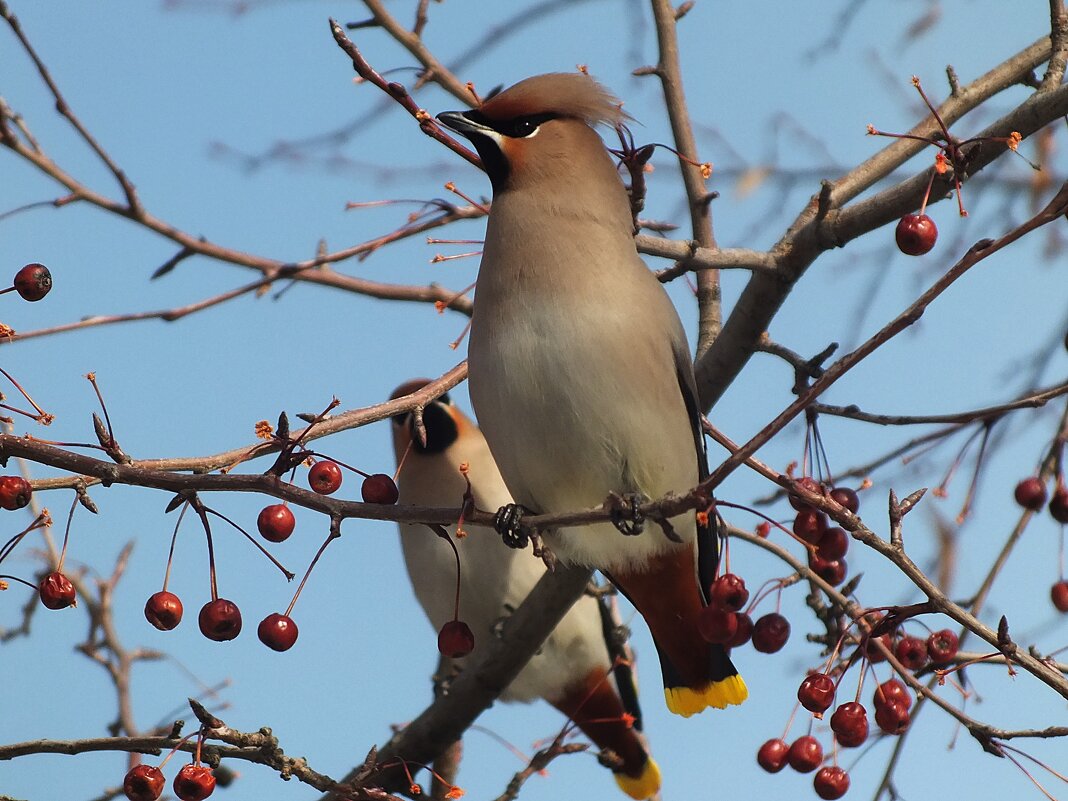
572	671
580	373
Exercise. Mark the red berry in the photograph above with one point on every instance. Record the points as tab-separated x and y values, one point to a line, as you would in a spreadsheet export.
325	477
276	522
763	529
770	633
916	234
1058	593
873	652
164	610
277	632
810	484
143	783
833	544
56	591
15	492
772	755
717	625
942	646
846	498
816	693
833	572
220	620
805	754
1058	504
728	593
194	782
380	488
831	783
809	526
893	718
1031	493
455	639
850	724
911	652
33	281
891	691
744	631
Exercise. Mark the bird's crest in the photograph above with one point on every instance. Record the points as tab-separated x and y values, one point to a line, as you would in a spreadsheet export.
562	94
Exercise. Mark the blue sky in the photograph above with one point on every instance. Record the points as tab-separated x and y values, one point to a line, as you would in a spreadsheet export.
172	93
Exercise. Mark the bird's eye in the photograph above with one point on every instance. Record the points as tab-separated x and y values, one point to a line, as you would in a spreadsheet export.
525	127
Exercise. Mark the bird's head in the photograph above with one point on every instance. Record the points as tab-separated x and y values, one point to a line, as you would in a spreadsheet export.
541	127
444	423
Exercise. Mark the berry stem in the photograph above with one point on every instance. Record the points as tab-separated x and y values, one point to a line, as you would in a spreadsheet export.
42	415
289	576
203	515
335	533
927	194
20	581
834	654
40	521
177	746
174	539
104	408
444	534
400	463
338	462
66	535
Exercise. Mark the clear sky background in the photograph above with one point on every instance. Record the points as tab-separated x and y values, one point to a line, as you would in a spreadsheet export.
174	90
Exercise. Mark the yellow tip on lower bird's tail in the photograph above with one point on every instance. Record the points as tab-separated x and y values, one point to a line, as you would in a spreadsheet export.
644	786
688	701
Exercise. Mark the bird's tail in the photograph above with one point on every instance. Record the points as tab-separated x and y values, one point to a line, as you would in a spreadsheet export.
719	686
697	674
595	707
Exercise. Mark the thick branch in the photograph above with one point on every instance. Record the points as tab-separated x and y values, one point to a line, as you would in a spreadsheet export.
813	231
472	692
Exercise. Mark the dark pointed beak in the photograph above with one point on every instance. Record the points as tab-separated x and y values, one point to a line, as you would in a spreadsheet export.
459	122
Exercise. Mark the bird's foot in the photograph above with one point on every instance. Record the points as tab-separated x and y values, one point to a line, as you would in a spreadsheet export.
625	511
507	523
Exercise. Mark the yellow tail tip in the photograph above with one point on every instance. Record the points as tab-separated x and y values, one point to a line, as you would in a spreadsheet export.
688	701
644	786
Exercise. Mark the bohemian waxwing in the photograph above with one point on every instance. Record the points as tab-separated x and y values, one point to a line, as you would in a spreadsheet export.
572	671
580	373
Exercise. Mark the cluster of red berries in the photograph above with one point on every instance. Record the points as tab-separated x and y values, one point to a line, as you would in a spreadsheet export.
325	478
804	755
891	702
1031	494
830	542
220	618
55	590
723	622
194	782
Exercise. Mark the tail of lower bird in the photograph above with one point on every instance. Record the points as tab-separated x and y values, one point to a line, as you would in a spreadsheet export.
595	707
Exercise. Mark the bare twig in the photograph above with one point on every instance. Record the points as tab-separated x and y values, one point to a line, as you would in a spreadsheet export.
669	71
